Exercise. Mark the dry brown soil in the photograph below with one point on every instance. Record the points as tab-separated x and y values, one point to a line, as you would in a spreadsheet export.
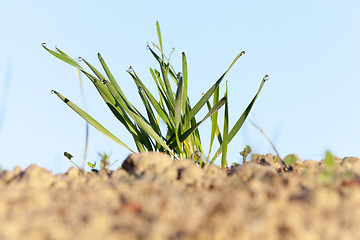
152	197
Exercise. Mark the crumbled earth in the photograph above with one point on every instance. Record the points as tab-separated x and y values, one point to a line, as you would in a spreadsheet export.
153	197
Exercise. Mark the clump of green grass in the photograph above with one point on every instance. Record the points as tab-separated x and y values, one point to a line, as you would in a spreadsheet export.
182	139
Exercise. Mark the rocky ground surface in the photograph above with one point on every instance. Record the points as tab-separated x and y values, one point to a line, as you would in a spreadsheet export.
152	197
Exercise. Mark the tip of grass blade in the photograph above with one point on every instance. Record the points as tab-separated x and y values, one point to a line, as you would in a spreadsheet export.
159	34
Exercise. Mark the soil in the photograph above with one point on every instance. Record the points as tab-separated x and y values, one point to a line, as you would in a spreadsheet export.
153	197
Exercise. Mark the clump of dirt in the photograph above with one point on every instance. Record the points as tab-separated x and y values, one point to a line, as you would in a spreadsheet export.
153	197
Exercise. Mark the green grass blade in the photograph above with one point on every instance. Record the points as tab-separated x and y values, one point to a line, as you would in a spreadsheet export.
169	92
162	63
146	103
185	79
63	57
159	34
91	120
226	130
164	116
243	117
187	133
178	101
170	107
139	119
208	94
121	101
241	120
187	124
144	125
109	74
178	107
97	73
214	125
156	76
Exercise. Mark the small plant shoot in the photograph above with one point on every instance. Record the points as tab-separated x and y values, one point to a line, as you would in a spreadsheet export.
92	165
244	153
290	159
69	156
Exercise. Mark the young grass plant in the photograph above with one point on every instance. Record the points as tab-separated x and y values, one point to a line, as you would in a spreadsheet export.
182	139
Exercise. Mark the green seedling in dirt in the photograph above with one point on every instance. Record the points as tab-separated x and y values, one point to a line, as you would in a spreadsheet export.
69	156
182	138
244	153
92	165
290	160
105	160
329	174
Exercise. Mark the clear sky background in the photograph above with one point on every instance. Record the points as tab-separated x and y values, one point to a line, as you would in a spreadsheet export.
310	49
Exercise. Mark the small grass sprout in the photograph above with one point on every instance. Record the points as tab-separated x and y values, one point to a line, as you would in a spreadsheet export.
328	175
105	161
69	156
172	107
92	165
245	152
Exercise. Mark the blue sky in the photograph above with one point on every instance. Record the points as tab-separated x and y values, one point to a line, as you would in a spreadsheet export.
310	49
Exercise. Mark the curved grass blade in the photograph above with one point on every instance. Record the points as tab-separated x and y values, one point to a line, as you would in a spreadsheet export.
208	94
187	133
139	119
156	76
162	63
103	91
65	58
144	125
164	116
107	71
169	92
62	56
97	73
241	120
91	120
108	97
214	125
146	103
